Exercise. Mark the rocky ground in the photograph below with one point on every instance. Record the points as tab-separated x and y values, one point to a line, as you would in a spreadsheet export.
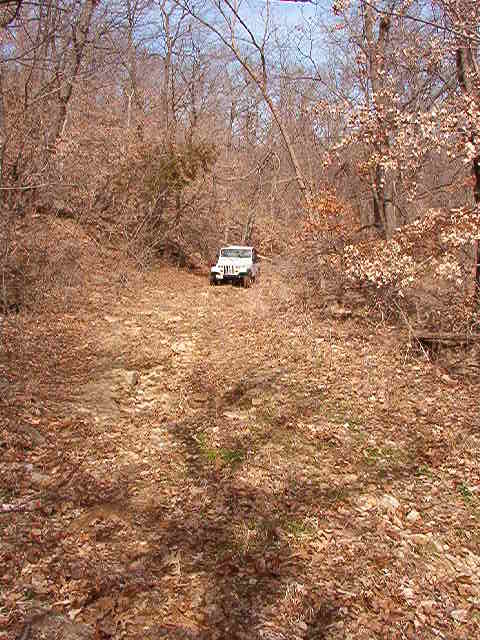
185	461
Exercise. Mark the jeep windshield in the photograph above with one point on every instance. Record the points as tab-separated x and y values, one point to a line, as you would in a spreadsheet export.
236	253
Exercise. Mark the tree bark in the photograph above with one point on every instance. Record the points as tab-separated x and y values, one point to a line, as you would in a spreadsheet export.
470	85
383	186
476	192
79	41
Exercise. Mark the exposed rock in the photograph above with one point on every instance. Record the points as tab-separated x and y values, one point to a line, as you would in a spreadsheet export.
419	538
181	346
366	502
460	615
413	516
132	378
97	397
389	503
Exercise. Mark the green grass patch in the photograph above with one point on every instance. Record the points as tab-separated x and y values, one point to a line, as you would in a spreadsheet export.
214	454
466	493
342	413
232	456
424	470
299	529
384	456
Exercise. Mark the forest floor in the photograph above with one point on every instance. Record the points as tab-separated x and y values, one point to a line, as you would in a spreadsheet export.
185	461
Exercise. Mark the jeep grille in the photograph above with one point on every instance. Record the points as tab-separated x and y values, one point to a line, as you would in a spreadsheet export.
228	269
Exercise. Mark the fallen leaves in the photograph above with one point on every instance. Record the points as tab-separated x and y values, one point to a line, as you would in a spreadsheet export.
295	495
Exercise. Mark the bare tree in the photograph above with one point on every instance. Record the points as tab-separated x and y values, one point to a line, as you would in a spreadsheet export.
464	21
232	23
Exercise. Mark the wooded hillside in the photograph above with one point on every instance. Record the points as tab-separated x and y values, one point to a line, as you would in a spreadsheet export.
166	127
293	460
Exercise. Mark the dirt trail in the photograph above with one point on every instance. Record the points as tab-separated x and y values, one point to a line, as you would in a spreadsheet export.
240	470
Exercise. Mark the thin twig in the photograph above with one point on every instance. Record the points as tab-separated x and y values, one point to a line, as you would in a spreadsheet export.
411	331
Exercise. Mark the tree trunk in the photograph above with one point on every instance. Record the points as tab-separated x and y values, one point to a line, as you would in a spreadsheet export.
384	211
389	212
79	40
248	229
305	189
467	75
476	195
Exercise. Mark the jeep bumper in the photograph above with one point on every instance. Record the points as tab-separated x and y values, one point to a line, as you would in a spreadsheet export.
228	276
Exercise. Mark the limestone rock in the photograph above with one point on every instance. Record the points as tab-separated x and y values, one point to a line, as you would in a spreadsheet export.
181	346
419	538
389	503
132	378
366	502
413	516
460	615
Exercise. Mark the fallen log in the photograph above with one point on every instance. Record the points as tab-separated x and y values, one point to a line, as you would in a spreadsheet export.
436	340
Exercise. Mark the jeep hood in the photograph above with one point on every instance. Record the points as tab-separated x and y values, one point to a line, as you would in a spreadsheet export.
237	262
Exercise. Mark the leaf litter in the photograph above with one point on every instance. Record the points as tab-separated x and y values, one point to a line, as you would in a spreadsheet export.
215	465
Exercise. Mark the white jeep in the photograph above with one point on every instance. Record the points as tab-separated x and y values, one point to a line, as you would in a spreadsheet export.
235	264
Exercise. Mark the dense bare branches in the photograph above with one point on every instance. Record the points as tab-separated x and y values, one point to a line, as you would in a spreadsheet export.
375	99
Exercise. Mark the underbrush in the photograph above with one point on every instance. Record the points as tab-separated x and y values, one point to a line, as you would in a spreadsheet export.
433	317
420	279
427	302
59	266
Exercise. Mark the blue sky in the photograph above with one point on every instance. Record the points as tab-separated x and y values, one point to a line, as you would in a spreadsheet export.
295	24
289	14
291	18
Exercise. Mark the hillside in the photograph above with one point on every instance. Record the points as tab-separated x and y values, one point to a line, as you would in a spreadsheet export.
185	461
